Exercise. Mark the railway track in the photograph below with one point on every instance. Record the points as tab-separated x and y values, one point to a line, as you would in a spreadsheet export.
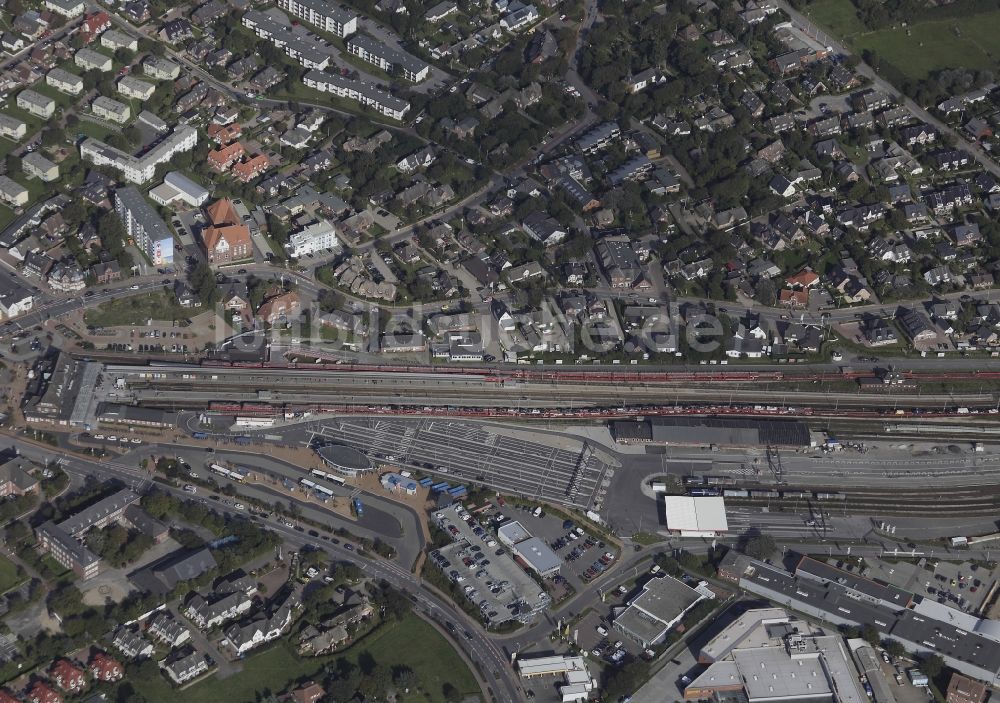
976	501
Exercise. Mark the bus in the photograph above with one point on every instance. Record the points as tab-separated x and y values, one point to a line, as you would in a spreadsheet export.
359	509
238	474
328	476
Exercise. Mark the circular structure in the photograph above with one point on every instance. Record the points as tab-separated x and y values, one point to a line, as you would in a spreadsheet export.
344	460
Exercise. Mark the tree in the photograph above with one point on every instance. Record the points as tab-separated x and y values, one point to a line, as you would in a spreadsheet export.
932	665
759	546
894	649
871	635
405	678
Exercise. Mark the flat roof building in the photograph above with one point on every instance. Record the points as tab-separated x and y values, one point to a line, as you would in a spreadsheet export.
661	605
178	187
696	516
727	432
144	226
538	556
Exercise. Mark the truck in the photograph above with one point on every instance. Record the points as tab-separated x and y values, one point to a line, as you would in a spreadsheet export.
359	509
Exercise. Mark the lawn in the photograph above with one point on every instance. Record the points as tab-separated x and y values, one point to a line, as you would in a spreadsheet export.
967	42
838	16
8	575
410	642
930	46
136	310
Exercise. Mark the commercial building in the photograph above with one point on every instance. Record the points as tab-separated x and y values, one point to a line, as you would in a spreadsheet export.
336	19
661	605
144	226
577	681
317	236
178	187
12	128
381	101
973	653
140	169
37	166
12	193
388	59
110	110
37	104
395	483
90	60
696	516
64	81
135	88
345	460
226	239
533	553
860	588
114	40
789	667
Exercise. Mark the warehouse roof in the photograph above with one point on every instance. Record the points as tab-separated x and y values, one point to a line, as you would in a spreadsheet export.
695	513
538	555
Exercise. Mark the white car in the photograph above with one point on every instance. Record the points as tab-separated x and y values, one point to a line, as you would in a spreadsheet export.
134	286
602	631
98	436
239	506
190	489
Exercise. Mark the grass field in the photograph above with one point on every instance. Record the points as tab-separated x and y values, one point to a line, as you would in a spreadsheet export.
966	42
838	16
135	310
8	575
410	642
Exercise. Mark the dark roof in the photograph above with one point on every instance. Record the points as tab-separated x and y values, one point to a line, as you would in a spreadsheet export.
824	572
186	568
727	431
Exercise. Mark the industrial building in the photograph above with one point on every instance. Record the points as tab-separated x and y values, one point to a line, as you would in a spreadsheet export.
696	516
661	605
706	431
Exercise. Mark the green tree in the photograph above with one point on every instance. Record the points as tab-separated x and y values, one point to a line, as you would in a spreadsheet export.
932	665
759	546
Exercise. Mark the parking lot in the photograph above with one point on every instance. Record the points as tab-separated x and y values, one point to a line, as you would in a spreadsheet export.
564	471
959	585
584	556
486	571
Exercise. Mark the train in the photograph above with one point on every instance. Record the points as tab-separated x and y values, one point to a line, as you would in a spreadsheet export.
769	493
